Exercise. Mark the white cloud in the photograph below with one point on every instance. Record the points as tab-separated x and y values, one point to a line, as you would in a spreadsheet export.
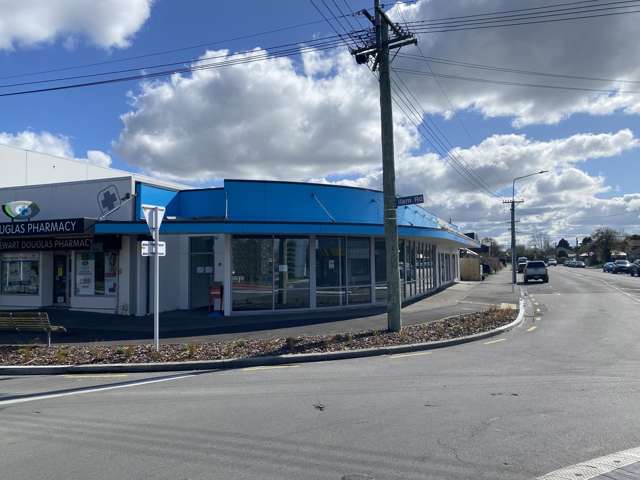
39	142
259	120
602	47
98	158
105	23
318	120
58	145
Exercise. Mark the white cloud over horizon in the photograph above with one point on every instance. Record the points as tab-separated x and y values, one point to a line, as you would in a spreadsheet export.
58	145
104	23
319	121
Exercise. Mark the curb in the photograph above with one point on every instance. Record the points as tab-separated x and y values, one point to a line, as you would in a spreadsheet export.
254	361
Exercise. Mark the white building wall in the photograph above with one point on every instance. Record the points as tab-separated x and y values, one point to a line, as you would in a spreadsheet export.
24	167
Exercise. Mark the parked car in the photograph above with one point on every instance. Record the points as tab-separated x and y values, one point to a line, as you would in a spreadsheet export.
608	267
580	264
552	262
634	271
570	263
521	266
621	266
536	270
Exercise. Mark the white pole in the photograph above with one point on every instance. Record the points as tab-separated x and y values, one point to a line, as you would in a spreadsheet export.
156	280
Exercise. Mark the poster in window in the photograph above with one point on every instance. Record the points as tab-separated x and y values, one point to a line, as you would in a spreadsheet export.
111	273
85	274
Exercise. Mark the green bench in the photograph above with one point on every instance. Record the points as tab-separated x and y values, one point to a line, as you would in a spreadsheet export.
29	322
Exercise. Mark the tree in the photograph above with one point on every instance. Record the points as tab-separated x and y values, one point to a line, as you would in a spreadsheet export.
563	244
605	240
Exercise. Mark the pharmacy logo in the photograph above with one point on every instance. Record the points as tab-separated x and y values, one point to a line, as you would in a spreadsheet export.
20	209
108	199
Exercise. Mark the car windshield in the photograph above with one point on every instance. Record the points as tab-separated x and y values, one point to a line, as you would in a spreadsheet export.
535	264
621	262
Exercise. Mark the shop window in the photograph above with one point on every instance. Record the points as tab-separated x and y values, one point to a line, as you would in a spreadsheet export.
96	273
252	274
291	272
381	271
359	270
330	272
20	273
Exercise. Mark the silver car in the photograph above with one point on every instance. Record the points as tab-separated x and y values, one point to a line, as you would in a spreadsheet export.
536	270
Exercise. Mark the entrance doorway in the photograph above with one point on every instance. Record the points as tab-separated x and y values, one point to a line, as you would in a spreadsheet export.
202	272
61	279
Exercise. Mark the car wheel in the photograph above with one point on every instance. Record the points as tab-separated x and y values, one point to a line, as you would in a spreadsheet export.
545	280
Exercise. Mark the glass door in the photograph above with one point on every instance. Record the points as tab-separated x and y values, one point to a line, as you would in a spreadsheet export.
60	279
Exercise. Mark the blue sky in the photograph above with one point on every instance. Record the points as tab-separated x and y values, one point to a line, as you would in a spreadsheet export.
90	118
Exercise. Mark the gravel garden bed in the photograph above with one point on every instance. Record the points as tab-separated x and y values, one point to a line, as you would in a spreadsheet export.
452	327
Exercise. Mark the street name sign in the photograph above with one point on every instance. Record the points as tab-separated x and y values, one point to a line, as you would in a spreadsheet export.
410	200
149	248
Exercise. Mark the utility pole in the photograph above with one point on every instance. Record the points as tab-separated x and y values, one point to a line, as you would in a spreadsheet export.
513	201
379	52
514	267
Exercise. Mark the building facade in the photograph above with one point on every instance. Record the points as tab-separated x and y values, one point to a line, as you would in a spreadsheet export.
271	246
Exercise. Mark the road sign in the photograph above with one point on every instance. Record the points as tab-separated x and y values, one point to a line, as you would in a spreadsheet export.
154	214
410	200
151	218
149	248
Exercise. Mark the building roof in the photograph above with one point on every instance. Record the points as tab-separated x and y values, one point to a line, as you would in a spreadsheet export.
276	207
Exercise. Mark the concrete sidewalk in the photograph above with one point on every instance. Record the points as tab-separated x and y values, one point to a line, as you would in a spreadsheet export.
197	326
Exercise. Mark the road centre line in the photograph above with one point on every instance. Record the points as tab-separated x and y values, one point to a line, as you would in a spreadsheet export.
495	341
531	329
596	467
415	354
135	383
635	299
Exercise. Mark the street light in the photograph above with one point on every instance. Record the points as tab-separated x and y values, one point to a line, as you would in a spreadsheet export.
514	271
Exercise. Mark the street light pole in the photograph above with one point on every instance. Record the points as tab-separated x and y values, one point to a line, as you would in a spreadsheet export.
513	201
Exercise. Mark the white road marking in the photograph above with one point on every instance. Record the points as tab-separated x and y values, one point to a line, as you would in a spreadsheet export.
48	396
531	329
272	367
402	355
538	310
597	466
495	341
537	319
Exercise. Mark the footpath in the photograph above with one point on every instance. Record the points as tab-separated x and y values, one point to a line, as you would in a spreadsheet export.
197	326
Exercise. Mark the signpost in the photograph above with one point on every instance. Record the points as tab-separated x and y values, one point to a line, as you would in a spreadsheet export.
410	200
154	215
149	249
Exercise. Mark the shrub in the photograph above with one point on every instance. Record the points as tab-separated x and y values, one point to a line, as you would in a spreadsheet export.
290	342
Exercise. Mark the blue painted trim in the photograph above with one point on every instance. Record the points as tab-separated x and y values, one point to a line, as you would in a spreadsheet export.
175	228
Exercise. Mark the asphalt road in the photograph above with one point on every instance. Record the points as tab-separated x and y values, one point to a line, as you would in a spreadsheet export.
562	388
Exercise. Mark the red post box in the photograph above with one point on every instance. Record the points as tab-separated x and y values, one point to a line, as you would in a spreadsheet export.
215	292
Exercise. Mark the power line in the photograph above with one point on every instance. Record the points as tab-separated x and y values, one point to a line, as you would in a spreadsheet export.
191	68
441	88
459	63
321	42
346	42
444	142
497	16
439	146
168	51
512	24
516	84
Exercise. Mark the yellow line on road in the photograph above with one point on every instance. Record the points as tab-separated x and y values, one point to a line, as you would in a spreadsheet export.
104	375
402	355
495	341
273	367
531	329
